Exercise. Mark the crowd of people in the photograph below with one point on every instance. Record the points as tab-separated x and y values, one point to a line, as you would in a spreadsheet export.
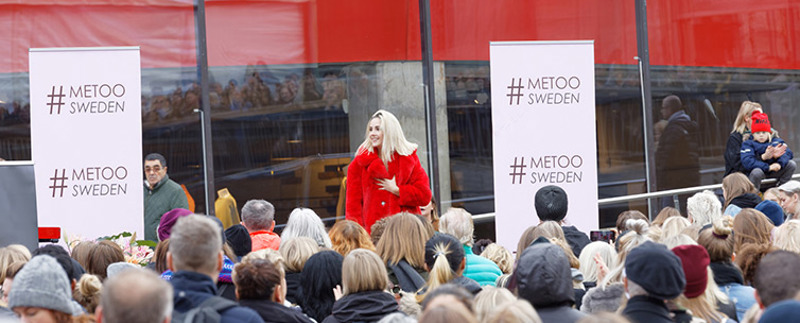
395	259
718	264
255	93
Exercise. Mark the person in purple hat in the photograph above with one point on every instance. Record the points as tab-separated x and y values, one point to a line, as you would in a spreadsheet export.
168	221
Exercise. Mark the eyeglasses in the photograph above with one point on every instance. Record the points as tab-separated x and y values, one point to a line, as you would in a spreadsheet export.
155	169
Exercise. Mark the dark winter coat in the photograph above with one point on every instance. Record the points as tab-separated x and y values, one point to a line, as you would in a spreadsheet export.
191	289
274	312
576	239
646	309
733	150
367	202
579	294
468	284
410	279
678	154
752	151
294	291
166	196
362	307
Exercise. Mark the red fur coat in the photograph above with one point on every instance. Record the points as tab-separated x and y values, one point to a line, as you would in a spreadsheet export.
367	203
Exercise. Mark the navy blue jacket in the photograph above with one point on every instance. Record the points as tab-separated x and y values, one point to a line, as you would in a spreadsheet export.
191	289
752	151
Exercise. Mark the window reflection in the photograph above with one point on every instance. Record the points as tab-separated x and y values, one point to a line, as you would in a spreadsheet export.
619	130
283	132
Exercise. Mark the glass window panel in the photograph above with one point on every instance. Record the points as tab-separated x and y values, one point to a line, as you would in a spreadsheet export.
716	55
292	87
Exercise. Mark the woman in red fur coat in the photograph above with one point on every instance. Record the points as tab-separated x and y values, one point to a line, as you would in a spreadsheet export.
385	177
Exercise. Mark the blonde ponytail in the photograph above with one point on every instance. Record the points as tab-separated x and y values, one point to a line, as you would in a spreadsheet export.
441	273
444	256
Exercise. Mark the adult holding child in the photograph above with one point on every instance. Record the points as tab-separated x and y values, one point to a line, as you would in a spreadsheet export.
740	133
766	155
386	176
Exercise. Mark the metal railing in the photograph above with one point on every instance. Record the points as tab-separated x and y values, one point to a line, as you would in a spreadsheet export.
485	217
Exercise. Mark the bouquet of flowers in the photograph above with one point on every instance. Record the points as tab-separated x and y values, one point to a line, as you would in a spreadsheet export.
137	252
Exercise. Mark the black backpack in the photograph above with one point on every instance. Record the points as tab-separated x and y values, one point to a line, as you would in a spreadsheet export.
207	312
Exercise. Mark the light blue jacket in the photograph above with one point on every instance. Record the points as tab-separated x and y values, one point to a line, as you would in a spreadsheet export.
742	297
480	269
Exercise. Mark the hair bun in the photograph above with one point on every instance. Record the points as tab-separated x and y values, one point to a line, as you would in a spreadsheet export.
638	225
90	285
723	226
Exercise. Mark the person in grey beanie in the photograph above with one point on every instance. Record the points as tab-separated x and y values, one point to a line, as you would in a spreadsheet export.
42	292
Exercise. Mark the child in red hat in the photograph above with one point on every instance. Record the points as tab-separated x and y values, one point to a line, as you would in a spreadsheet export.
766	155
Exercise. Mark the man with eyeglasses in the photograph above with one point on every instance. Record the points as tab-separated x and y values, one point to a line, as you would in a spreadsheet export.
160	194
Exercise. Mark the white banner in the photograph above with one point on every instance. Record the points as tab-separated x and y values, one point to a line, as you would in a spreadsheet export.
86	134
543	124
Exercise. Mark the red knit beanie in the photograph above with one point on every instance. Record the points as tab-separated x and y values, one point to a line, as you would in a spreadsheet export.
760	122
695	262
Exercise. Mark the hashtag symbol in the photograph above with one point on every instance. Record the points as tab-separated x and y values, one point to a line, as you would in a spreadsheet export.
511	93
517	170
56	100
56	185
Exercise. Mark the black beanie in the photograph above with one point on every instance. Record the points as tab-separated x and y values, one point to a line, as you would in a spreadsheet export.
655	268
239	239
550	203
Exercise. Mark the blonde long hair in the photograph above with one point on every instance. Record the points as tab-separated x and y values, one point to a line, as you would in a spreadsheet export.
362	271
296	251
403	238
393	138
589	266
705	305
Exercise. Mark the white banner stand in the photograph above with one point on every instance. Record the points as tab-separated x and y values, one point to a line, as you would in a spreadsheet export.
543	121
86	135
